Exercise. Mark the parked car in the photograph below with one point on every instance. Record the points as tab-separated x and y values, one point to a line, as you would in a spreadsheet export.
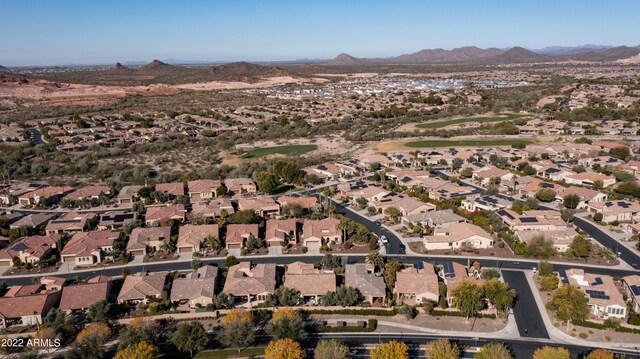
384	239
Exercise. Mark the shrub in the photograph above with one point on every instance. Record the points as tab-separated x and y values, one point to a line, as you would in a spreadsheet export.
364	312
305	249
597	217
447	313
583	335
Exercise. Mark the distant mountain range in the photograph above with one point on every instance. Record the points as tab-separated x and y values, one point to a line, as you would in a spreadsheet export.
514	55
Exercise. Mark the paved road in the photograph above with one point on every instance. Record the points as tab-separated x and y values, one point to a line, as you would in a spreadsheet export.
36	136
522	348
528	318
626	254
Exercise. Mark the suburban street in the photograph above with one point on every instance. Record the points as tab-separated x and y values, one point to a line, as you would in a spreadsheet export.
530	323
626	254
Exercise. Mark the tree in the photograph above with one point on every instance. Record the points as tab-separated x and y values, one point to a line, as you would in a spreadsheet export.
99	330
546	195
247	216
493	351
442	349
569	303
548	352
213	243
468	298
621	152
457	163
292	210
139	351
268	182
601	353
488	273
329	261
139	330
230	261
237	329
580	247
283	297
545	268
91	347
548	282
375	259
540	247
100	311
467	172
571	201
597	217
391	272
390	350
331	349
286	323
190	337
222	301
392	212
344	296
499	294
284	349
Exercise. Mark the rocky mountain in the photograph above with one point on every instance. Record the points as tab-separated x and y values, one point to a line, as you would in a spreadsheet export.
156	65
244	72
461	54
514	55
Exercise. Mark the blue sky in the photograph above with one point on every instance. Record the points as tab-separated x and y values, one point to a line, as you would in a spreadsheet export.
69	31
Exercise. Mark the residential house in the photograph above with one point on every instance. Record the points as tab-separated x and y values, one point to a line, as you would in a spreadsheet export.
203	190
88	248
90	193
142	288
71	222
417	284
79	297
603	297
212	209
369	193
116	220
26	310
281	231
43	195
237	234
191	237
586	195
32	249
303	201
561	238
589	178
152	239
128	195
621	211
240	186
433	219
538	220
631	287
312	283
171	190
452	274
154	216
36	220
52	283
458	236
362	277
251	283
486	203
197	289
486	174
314	232
264	206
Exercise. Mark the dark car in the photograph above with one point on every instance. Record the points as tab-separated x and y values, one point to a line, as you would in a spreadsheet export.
403	249
377	223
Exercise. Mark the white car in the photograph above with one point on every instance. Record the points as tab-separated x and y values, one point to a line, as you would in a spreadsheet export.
384	239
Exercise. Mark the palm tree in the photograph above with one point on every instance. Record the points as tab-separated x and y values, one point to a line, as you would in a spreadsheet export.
376	259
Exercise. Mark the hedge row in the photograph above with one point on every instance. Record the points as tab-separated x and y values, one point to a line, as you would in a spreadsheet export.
372	324
593	325
366	312
446	313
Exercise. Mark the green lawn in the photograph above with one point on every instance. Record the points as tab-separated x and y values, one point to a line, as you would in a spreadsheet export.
463	143
230	353
284	150
511	116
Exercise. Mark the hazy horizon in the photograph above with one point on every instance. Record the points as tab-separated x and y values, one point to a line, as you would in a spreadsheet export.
72	32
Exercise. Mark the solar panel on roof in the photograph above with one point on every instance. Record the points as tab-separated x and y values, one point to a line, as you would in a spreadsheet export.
418	265
19	246
635	289
506	214
596	294
546	185
563	276
623	204
529	220
608	204
447	267
597	281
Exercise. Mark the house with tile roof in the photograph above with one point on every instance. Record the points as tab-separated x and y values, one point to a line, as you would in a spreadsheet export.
312	283
150	238
79	297
191	237
71	222
197	288
417	284
251	283
281	230
314	232
362	277
173	212
213	208
602	294
31	249
142	288
203	190
621	210
89	248
27	310
237	234
458	236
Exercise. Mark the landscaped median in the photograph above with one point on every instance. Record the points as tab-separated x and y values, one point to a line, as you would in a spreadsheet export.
481	119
